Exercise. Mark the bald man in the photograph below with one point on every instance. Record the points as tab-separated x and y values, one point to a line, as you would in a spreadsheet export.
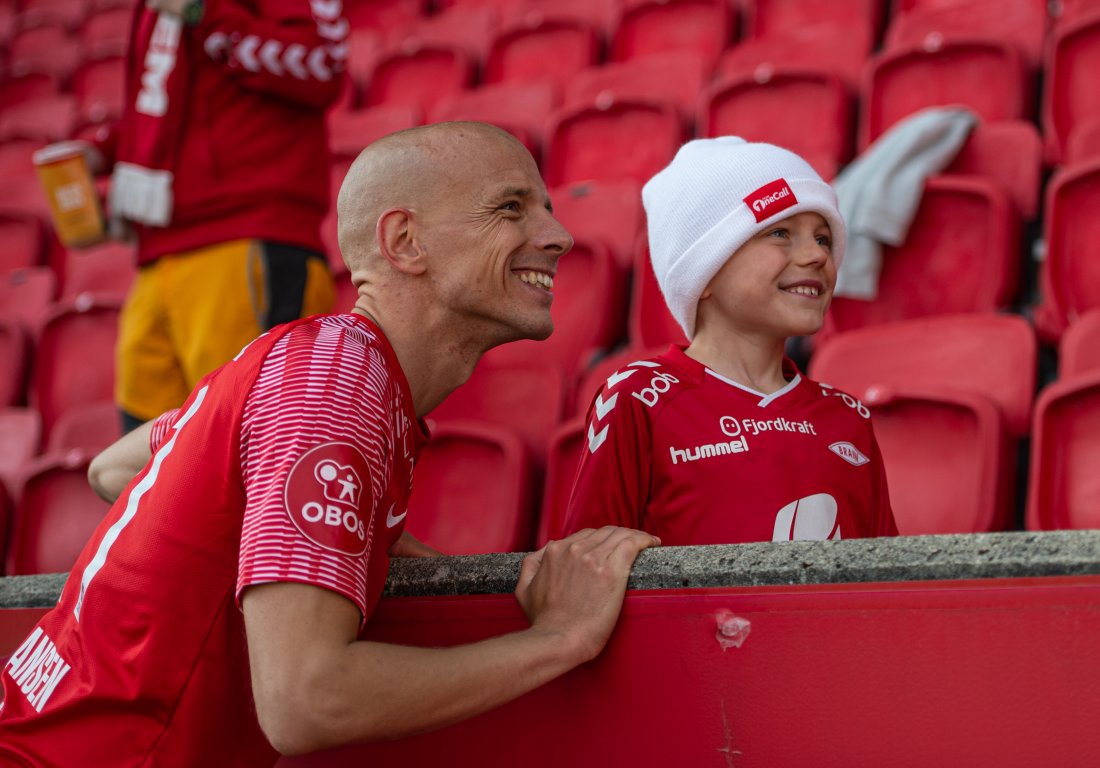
213	618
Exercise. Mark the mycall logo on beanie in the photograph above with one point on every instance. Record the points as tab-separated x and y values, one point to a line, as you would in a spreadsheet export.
770	199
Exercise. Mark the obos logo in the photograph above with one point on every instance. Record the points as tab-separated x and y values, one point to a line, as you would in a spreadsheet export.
770	199
323	493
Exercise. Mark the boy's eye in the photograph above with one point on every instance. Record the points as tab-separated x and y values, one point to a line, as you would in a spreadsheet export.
778	232
825	241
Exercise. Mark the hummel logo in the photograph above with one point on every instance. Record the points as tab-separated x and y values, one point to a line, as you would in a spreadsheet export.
595	439
603	408
392	519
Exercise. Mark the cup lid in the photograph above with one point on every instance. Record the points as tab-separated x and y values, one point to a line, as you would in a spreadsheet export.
56	152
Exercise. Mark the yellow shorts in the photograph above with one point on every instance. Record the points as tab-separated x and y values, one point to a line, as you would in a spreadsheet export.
190	312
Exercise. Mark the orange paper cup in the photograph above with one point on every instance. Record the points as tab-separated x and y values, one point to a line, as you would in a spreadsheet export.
64	175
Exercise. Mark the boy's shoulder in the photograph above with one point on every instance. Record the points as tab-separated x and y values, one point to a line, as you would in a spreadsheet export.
650	382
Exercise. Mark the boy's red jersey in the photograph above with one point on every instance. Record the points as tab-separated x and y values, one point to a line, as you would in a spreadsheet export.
677	450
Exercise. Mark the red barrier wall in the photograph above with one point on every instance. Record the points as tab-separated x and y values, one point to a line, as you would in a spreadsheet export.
962	673
982	673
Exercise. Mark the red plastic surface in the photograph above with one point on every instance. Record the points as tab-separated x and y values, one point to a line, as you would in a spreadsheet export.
939	352
910	674
657	26
1070	96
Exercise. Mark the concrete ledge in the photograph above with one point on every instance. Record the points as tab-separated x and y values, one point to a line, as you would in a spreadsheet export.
907	558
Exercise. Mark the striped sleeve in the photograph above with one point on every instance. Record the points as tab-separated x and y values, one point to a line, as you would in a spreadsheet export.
159	430
315	446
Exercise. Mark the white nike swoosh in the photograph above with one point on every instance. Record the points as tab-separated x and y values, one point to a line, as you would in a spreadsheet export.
391	519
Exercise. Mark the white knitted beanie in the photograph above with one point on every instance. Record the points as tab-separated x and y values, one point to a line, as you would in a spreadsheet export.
714	196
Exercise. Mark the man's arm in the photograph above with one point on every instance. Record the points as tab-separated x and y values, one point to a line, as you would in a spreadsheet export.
317	686
293	49
113	469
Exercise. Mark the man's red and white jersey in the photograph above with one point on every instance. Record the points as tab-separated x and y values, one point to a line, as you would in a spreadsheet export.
293	462
677	450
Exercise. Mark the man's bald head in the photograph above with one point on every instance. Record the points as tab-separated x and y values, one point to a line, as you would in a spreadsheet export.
411	169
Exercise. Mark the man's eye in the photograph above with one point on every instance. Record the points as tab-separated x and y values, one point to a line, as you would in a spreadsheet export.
511	206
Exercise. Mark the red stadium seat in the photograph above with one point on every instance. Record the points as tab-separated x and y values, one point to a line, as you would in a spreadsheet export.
5	521
528	399
775	105
521	108
470	29
610	212
1070	273
817	49
676	77
364	47
419	76
650	323
566	445
107	33
14	358
100	89
109	269
588	311
658	26
1066	12
777	18
25	297
984	154
20	438
23	239
947	460
63	13
1064	486
473	491
352	130
961	255
1070	98
28	87
16	159
984	75
52	118
1079	350
74	364
543	46
91	427
1023	23
44	49
55	515
992	355
1084	141
611	140
385	15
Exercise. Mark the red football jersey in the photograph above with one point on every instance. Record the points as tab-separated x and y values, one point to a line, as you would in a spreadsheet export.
679	451
293	462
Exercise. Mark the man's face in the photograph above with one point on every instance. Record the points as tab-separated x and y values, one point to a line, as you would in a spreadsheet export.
779	283
493	243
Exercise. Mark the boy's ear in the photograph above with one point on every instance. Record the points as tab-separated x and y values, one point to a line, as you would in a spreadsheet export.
397	241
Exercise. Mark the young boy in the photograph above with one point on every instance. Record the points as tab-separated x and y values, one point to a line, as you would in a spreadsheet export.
725	441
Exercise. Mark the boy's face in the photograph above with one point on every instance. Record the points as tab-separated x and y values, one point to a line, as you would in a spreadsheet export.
778	284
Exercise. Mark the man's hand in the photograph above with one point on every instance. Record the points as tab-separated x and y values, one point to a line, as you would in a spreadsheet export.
410	546
173	7
575	587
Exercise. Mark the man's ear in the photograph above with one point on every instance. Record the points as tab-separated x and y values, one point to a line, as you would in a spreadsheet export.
397	241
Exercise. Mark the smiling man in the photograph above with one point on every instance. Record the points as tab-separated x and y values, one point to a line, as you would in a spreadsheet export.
213	617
